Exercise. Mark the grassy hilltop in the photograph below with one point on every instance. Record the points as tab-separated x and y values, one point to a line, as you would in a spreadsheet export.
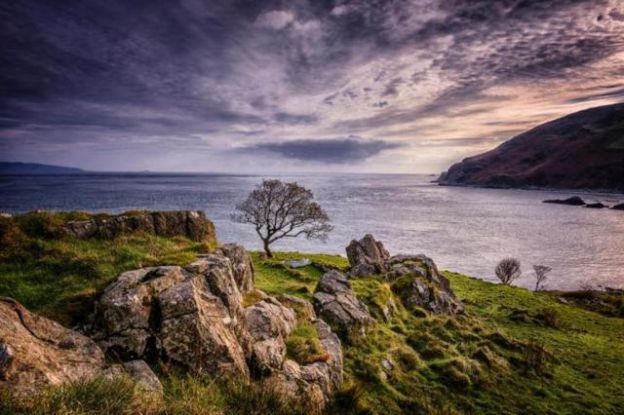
513	351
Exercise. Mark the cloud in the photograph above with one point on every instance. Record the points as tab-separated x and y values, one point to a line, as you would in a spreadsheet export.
615	93
275	19
331	151
288	118
229	73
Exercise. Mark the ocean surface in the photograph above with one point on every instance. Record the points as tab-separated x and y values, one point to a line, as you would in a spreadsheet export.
466	230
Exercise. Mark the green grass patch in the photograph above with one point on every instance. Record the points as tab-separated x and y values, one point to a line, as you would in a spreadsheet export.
58	276
303	344
274	277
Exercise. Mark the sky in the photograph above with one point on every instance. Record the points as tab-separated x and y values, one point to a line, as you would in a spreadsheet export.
255	86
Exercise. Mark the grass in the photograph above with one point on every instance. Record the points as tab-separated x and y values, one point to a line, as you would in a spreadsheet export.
58	276
513	351
184	395
303	344
555	359
98	396
274	277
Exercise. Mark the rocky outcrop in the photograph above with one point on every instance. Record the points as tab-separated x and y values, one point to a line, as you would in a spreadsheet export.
596	205
193	318
302	308
336	303
269	322
36	353
420	284
191	224
572	201
189	317
619	206
366	256
242	266
415	278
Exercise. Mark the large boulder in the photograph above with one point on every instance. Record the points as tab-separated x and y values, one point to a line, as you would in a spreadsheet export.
191	317
417	280
268	322
191	224
422	285
36	352
367	256
336	303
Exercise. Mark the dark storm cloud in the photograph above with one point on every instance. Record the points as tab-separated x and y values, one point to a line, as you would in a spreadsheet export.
287	118
80	72
617	93
336	151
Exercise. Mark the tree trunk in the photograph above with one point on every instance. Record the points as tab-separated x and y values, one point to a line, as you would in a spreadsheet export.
267	250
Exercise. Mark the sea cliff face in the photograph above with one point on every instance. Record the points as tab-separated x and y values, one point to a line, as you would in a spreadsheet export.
584	150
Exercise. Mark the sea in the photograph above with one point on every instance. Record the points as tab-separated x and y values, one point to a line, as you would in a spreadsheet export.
466	230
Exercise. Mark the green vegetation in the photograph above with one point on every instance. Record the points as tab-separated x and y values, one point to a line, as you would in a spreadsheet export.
58	276
99	396
513	351
273	277
184	395
303	344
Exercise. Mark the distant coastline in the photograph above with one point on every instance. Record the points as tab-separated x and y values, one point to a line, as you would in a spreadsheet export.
614	192
18	168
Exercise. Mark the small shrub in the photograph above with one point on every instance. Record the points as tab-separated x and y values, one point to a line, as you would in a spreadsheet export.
259	398
541	272
455	372
508	270
428	346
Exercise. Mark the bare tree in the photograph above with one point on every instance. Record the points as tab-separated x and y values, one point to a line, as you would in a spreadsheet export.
541	272
282	210
508	270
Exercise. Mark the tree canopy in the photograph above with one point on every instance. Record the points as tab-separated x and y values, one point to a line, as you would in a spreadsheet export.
282	210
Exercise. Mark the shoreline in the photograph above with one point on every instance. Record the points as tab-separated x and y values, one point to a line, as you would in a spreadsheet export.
535	188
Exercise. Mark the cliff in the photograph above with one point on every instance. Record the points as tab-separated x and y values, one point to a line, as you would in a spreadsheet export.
583	150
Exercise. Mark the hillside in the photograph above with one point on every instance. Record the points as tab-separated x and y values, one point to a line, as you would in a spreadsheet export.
16	168
583	150
509	351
